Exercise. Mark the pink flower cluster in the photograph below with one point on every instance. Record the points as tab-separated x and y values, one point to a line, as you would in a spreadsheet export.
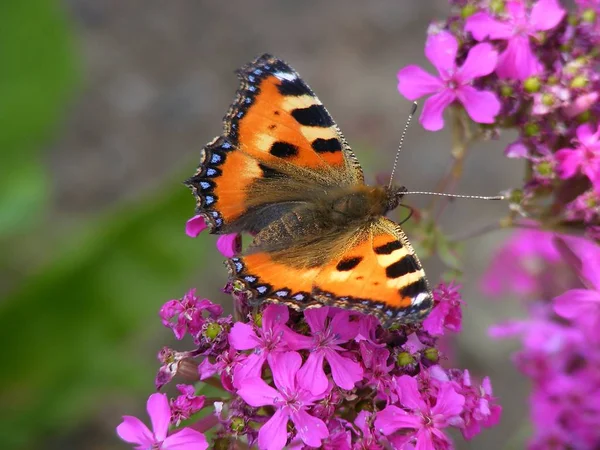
325	377
531	66
559	280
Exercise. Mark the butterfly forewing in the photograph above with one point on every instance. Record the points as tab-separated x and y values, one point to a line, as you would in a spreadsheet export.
276	131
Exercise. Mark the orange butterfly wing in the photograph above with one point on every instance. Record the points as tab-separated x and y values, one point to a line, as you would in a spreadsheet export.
277	127
378	273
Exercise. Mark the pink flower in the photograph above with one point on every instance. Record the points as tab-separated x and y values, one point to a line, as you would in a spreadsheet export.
185	405
133	430
195	226
188	314
377	369
324	344
584	158
583	305
518	265
224	365
454	83
480	407
370	439
447	312
291	397
427	421
517	61
227	244
269	340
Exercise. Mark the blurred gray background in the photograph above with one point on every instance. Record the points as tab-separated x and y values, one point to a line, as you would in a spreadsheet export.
156	78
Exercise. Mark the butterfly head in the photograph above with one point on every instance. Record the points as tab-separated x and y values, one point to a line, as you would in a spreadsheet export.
394	196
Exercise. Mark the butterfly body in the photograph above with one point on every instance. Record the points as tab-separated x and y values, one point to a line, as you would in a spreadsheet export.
283	172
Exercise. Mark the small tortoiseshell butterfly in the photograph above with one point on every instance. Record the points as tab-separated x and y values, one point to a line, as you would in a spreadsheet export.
283	172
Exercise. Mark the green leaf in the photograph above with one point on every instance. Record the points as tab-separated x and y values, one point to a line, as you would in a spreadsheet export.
73	331
37	77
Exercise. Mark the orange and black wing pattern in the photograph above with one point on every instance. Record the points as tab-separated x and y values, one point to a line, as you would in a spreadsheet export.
377	273
276	130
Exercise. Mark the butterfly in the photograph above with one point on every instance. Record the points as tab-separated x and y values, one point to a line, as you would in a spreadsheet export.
283	172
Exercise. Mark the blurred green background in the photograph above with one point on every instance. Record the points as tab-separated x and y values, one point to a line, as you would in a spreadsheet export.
104	107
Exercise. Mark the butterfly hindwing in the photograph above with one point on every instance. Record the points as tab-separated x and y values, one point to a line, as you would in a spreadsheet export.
276	131
379	274
375	271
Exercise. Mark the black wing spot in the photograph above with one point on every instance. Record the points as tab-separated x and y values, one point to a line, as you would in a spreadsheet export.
268	172
295	88
348	263
272	126
313	116
276	112
283	149
414	289
408	264
388	248
332	145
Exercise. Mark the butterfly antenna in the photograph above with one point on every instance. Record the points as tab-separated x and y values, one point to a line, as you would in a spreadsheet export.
442	194
413	110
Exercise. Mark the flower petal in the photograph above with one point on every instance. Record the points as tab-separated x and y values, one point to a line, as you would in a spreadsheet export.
273	434
393	418
195	226
518	61
577	303
424	440
310	429
482	106
160	415
206	369
342	326
251	367
315	318
242	337
274	315
433	110
545	15
585	134
580	104
285	366
440	50
584	256
229	244
296	341
449	403
516	149
507	329
482	25
568	162
185	439
256	392
409	393
414	82
312	376
481	61
133	431
434	323
345	372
